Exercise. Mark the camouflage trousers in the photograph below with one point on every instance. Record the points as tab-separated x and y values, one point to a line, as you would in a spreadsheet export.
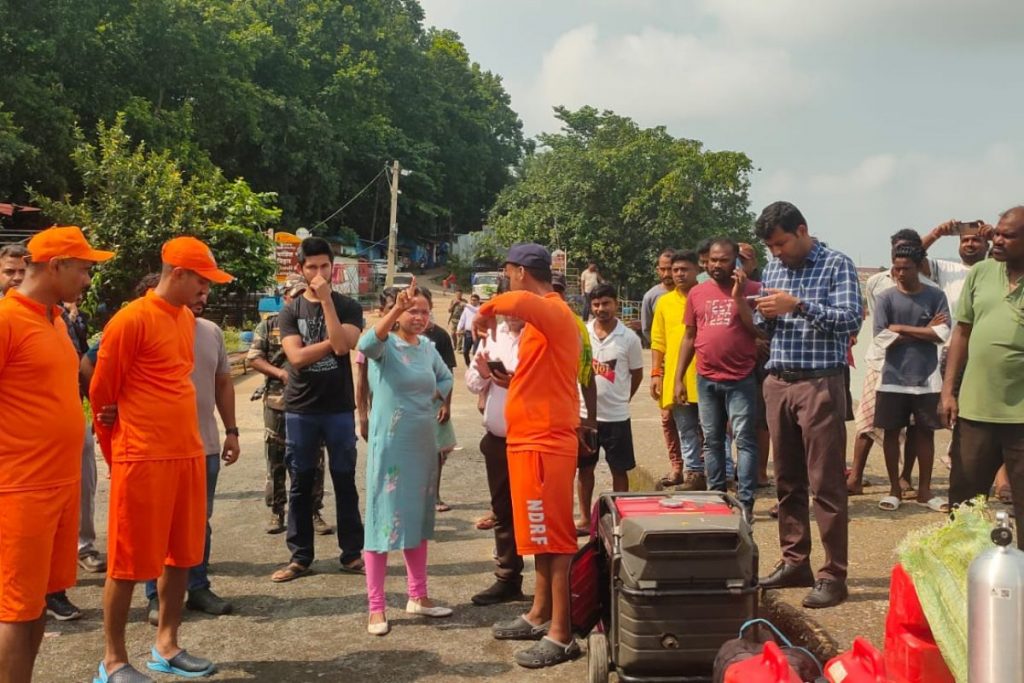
276	489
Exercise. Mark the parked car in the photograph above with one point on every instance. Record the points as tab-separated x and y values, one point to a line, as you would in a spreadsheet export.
485	285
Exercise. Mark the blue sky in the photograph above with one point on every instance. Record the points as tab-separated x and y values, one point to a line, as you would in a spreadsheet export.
870	116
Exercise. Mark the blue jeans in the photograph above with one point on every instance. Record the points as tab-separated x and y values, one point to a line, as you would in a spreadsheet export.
304	432
730	464
198	577
734	402
688	426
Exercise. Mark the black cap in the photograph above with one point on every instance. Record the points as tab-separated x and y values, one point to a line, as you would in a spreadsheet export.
558	281
529	255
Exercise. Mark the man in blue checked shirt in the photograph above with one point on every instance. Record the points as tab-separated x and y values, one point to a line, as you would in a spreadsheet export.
810	306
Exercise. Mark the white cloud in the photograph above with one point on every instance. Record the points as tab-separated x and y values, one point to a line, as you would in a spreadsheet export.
661	77
858	208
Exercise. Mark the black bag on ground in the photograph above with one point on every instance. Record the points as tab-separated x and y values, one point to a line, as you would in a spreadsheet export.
752	637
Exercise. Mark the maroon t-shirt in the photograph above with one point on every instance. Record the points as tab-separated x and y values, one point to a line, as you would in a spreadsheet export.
726	351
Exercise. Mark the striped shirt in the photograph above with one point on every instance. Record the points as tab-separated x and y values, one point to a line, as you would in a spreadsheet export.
815	338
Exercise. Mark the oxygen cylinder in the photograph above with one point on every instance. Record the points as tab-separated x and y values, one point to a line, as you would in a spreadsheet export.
995	611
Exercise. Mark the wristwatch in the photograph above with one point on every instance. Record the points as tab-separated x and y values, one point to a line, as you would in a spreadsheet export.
231	431
801	308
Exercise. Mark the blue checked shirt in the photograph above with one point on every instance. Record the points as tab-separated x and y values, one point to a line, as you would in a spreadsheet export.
816	338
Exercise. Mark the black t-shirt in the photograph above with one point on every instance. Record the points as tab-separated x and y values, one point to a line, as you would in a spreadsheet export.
326	385
443	343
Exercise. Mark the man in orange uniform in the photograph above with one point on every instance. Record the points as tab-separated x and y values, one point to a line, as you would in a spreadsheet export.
157	462
542	412
41	448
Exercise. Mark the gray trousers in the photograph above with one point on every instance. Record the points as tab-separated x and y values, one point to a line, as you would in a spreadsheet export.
86	522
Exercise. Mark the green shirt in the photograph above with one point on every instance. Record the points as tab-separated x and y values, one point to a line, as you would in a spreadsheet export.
993	388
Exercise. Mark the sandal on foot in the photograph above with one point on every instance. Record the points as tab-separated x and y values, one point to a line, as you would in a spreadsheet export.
486	523
182	664
293	571
442	506
936	504
356	566
889	504
547	653
907	490
126	674
519	629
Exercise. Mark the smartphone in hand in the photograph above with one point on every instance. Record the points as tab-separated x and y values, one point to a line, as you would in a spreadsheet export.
497	366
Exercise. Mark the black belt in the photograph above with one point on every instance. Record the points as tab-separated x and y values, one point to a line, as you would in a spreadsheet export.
797	375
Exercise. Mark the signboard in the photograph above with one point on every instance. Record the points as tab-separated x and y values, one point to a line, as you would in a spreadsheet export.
286	248
558	260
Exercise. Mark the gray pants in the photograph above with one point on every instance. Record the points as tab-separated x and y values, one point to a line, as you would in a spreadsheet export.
86	523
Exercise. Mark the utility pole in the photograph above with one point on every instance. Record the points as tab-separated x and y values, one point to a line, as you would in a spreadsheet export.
389	279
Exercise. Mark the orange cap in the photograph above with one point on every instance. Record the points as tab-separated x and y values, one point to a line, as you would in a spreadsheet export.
191	254
64	242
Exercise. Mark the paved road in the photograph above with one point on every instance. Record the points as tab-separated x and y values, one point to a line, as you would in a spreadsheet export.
314	629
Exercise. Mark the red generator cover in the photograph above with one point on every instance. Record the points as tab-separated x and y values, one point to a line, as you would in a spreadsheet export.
648	506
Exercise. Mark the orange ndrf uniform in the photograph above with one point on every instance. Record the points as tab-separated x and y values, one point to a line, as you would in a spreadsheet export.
158	469
542	412
40	457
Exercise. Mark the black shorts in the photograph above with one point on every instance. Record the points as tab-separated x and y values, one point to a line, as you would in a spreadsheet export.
616	439
893	411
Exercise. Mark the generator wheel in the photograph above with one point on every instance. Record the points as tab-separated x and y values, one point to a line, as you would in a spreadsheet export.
597	658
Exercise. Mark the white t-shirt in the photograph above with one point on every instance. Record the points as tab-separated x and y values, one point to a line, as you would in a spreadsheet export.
589	279
950	277
614	359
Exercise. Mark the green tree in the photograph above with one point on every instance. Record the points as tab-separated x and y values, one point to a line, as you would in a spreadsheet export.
606	190
308	100
134	199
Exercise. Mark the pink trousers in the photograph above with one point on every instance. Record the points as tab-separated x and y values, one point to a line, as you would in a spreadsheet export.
377	569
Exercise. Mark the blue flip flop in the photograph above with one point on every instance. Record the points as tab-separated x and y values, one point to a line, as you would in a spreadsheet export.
126	674
182	664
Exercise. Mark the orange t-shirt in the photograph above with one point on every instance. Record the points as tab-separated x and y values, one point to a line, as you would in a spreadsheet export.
145	367
542	408
43	422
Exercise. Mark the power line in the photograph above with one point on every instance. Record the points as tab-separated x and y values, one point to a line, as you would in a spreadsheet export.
346	204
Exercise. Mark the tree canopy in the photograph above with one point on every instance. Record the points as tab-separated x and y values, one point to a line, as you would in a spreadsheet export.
133	200
308	100
604	188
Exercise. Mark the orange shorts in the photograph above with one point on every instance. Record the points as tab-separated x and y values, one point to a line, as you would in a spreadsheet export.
542	502
157	517
38	548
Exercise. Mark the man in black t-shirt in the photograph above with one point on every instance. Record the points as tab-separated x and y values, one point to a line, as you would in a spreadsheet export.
318	330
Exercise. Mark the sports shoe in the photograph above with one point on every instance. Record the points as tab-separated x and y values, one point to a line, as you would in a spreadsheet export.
320	526
275	524
60	608
694	481
93	563
205	600
153	612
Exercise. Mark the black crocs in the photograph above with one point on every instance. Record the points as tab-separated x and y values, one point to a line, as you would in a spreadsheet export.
547	653
519	629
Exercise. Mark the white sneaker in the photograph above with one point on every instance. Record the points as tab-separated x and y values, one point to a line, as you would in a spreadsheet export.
381	628
413	607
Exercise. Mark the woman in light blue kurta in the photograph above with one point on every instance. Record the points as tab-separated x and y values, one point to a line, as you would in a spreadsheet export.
406	375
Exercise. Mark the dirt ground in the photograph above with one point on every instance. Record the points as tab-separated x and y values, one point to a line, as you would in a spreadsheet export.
313	629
